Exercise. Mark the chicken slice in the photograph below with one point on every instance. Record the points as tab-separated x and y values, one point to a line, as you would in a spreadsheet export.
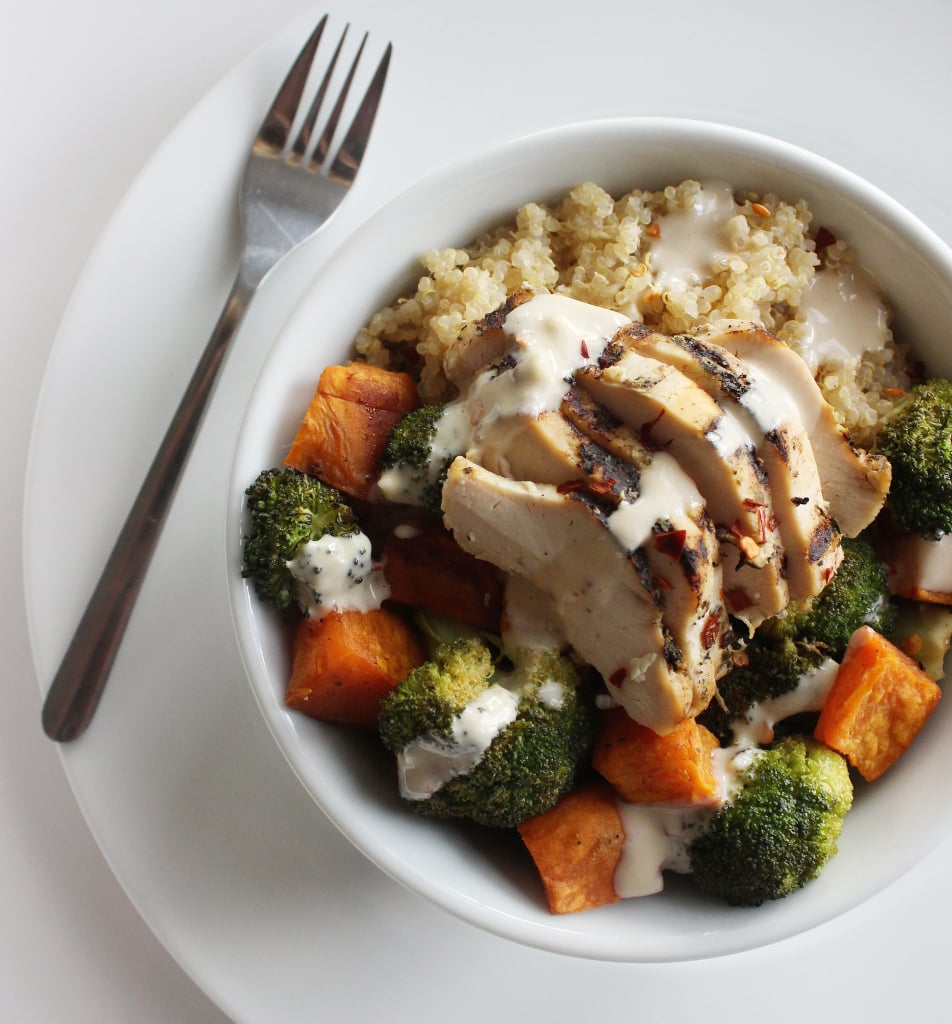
485	346
753	590
810	541
561	543
654	510
854	482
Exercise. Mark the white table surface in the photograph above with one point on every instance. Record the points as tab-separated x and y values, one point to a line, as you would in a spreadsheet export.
87	93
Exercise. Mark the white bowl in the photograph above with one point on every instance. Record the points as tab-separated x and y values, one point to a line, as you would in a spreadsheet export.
489	881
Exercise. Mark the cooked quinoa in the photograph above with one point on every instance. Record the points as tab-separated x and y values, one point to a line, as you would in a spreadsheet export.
598	249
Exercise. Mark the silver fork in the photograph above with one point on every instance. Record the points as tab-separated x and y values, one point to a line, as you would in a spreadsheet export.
288	192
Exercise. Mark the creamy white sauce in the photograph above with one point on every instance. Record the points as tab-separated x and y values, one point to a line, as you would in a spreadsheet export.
767	400
553	336
844	316
808	695
693	241
665	492
730	435
338	574
407	484
426	765
656	840
551	694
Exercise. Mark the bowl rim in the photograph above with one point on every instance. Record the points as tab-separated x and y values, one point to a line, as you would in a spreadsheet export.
551	934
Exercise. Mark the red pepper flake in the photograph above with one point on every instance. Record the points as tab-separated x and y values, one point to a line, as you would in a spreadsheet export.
741	659
738	599
569	486
602	486
824	239
827	574
762	520
671	543
646	428
584	348
653	230
760	209
662	583
711	631
893	392
750	504
618	676
773	522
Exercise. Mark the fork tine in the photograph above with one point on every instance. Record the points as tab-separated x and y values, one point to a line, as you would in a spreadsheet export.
351	151
307	128
324	142
273	134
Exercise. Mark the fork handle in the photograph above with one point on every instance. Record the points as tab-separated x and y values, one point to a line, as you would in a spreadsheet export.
74	694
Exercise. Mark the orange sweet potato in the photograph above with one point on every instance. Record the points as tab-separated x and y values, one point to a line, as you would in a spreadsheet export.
347	423
576	847
645	768
426	568
879	701
344	664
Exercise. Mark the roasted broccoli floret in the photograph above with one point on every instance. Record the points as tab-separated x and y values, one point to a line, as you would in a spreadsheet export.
415	467
780	826
286	510
796	642
857	595
765	671
916	437
492	745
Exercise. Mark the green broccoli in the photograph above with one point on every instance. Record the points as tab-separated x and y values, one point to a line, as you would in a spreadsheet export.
857	595
779	828
798	640
418	467
286	509
768	670
916	437
483	743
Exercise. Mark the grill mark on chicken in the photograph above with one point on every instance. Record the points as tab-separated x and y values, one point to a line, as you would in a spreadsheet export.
495	320
824	540
715	363
487	346
619	478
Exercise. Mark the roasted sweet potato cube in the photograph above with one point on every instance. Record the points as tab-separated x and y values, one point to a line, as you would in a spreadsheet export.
879	701
347	424
426	568
645	768
576	847
344	664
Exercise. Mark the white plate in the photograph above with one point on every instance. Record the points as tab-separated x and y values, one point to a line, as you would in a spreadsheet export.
253	892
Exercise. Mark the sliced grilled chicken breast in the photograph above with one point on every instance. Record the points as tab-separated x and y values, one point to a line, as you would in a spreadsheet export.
485	346
810	541
672	413
754	584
